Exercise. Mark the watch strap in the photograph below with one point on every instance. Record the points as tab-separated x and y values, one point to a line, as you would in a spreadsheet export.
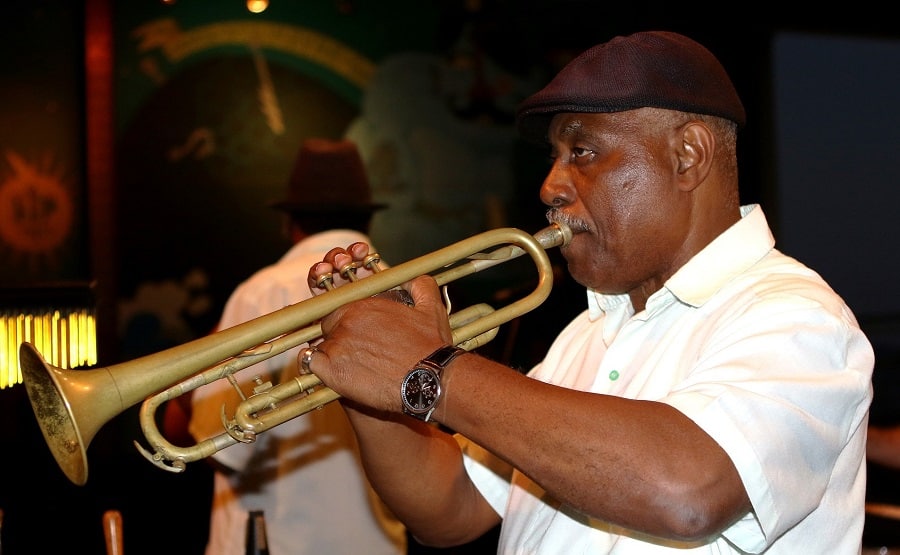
442	357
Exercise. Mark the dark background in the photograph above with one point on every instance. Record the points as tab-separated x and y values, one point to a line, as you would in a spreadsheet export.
815	84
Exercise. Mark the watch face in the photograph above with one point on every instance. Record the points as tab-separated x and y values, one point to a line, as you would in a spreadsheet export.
420	390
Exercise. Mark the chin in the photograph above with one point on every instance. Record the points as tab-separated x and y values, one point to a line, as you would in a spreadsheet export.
577	276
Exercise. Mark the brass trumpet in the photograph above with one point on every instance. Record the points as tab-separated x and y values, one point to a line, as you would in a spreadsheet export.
72	405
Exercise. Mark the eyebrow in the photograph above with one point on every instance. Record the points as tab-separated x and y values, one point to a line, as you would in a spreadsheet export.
571	128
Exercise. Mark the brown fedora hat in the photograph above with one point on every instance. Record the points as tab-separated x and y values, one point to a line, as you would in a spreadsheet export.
328	176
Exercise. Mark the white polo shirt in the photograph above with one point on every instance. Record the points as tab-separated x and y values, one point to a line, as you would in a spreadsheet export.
757	350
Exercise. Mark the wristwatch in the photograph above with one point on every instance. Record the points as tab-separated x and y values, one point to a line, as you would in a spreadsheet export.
421	388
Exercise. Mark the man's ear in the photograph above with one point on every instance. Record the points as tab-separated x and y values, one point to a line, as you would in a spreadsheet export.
695	154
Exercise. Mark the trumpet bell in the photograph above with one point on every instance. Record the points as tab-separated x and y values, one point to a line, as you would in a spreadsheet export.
47	386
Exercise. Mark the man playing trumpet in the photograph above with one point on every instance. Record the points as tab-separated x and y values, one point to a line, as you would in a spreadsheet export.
714	394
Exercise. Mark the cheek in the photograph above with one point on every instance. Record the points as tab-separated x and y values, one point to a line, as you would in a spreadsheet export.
634	193
631	184
624	212
615	202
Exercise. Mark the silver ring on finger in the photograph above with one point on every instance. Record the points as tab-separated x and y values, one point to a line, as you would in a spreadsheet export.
306	359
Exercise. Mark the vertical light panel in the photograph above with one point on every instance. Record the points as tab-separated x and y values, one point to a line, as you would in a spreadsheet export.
59	320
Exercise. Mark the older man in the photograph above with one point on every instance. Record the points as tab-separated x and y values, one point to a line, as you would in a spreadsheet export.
712	398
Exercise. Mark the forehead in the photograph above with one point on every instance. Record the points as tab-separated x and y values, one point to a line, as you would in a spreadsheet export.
567	125
638	122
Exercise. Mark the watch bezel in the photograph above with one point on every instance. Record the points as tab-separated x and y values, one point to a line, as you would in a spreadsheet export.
410	408
433	365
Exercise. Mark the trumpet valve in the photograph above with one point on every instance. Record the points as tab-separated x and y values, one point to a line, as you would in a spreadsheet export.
348	271
325	282
372	261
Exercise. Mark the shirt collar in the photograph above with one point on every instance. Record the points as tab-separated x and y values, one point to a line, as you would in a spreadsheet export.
728	255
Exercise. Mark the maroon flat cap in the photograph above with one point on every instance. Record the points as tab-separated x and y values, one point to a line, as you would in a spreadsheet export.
655	69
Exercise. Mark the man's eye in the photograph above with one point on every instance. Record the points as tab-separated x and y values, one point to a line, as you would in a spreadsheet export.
578	152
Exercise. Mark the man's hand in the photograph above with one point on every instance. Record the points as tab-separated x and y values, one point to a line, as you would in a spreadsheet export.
369	345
